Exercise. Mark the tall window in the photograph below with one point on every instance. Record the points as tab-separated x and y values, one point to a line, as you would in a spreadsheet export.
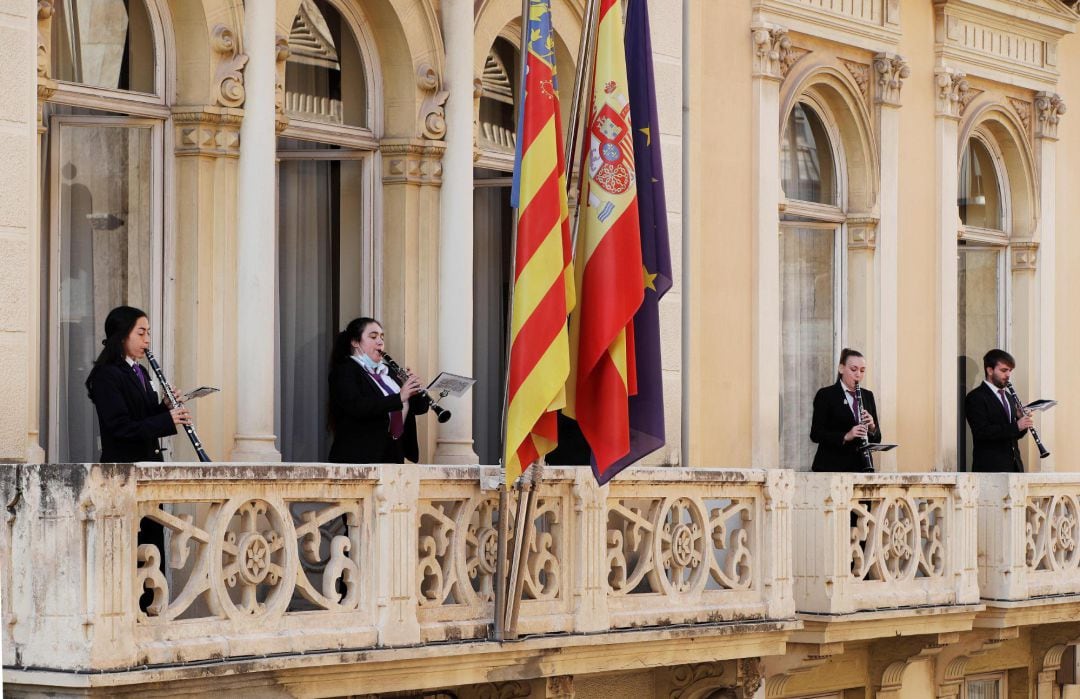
810	276
986	687
103	194
325	205
982	259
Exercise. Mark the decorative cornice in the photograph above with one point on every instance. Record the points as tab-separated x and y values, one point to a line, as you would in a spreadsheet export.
412	162
1025	255
952	88
891	70
229	76
1023	112
432	117
207	131
860	72
1048	110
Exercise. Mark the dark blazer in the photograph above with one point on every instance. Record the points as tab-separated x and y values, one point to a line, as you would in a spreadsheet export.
360	414
994	436
131	418
832	420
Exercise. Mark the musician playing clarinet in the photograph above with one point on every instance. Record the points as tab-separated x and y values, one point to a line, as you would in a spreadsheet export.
372	416
837	428
996	425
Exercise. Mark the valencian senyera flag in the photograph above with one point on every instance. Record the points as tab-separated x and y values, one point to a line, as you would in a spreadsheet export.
543	271
647	406
607	259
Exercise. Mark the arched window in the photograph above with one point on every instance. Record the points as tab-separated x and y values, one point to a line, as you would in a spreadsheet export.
103	191
811	273
326	204
983	198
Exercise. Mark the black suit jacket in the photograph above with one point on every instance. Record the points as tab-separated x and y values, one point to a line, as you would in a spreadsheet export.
360	414
131	418
832	420
994	436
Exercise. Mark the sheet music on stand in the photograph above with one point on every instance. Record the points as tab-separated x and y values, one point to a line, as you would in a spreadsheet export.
447	384
199	393
1037	406
872	447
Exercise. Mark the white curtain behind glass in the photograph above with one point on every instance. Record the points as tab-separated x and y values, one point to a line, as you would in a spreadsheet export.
307	229
808	331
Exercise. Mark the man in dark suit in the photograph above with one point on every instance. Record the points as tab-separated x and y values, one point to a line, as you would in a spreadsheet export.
834	427
996	428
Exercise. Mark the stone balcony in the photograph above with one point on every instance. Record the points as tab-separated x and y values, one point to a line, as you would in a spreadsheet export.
325	575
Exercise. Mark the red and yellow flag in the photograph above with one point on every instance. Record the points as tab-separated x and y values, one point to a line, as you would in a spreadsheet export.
609	276
543	272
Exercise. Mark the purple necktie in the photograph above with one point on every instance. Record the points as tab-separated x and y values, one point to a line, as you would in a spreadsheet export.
1005	404
141	373
852	394
397	421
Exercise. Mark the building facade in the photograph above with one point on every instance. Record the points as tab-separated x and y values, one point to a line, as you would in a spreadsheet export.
892	175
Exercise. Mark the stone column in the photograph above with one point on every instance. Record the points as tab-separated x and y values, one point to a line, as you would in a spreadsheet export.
256	244
890	71
18	230
411	176
455	301
1048	110
1024	330
951	88
771	44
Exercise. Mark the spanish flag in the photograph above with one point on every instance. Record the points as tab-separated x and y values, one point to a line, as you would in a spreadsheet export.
543	271
609	276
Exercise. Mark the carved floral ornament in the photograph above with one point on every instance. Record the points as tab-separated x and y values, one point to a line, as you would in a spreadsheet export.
774	54
1048	110
952	92
891	72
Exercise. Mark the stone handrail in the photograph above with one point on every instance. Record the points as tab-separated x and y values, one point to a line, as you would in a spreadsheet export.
297	558
868	542
1028	531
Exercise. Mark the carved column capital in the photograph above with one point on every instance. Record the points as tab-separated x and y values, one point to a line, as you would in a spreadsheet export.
1048	109
862	233
891	71
771	47
229	75
207	131
1025	256
952	89
412	161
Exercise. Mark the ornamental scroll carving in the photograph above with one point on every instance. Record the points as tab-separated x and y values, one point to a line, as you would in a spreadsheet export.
1051	533
952	90
229	76
897	537
457	551
676	545
432	117
774	54
1048	109
247	558
891	72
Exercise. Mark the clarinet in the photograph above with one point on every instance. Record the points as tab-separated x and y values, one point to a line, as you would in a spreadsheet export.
402	376
864	443
176	404
1020	410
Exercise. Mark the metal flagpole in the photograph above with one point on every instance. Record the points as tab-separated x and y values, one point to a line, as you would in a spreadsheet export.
504	494
581	101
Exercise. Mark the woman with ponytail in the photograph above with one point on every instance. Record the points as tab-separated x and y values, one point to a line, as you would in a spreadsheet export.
373	419
131	417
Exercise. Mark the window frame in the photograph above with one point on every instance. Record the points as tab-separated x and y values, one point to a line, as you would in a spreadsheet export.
1001	676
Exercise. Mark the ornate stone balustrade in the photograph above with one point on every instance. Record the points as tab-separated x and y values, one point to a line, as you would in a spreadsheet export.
283	560
869	542
1028	536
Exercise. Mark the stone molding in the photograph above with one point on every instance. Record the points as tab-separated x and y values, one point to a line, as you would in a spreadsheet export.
1048	109
952	90
207	131
891	71
868	25
862	233
229	74
414	162
1025	256
432	116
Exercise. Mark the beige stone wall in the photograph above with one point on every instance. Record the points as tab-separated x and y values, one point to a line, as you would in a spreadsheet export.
18	243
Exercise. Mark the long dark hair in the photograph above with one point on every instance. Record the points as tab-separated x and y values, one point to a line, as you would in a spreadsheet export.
342	350
118	325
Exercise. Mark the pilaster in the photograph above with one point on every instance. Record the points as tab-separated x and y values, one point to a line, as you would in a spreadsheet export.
396	541
951	89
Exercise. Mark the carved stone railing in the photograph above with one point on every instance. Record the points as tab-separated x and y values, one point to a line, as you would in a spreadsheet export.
292	559
868	542
1029	536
